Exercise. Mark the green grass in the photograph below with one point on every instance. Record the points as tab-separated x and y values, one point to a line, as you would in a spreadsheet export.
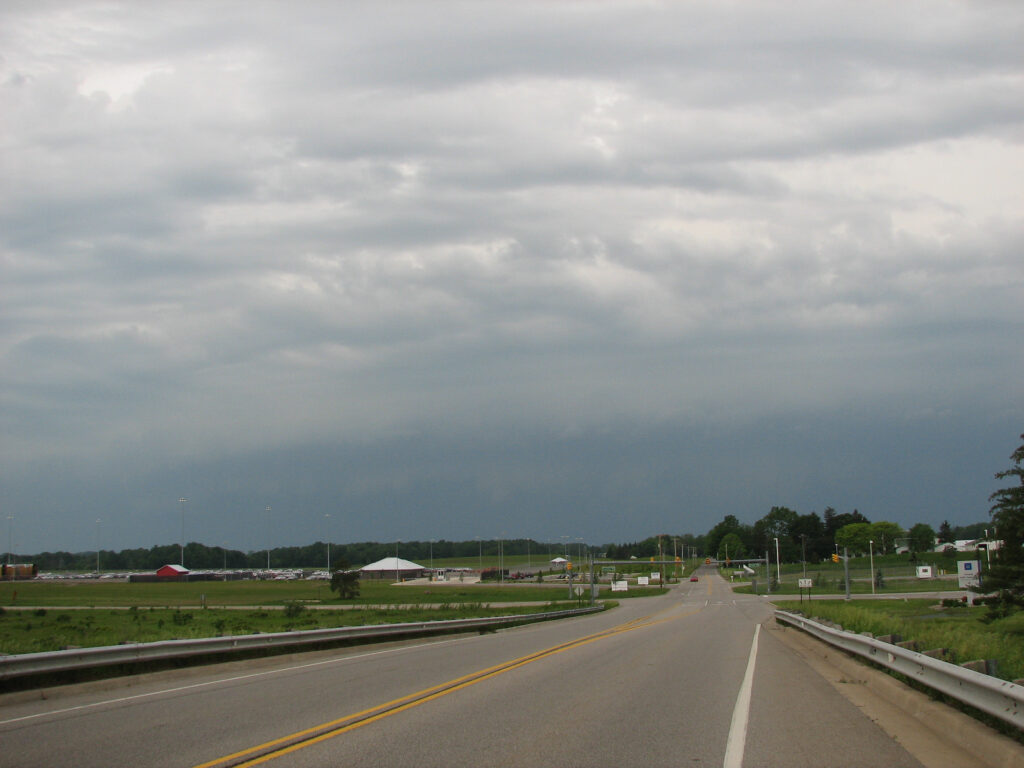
832	581
111	612
50	630
226	593
965	631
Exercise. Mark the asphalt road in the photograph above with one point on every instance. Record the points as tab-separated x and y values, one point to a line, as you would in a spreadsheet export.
666	681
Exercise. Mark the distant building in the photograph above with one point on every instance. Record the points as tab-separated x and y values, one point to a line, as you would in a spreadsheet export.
392	568
18	571
172	573
970	545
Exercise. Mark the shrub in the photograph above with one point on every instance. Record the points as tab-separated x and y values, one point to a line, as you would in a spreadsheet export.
293	609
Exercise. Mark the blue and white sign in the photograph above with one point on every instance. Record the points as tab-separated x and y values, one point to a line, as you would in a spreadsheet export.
968	573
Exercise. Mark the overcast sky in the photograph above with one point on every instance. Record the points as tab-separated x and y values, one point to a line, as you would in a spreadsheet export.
445	270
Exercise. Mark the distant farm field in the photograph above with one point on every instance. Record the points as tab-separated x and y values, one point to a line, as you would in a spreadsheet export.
50	615
45	629
98	593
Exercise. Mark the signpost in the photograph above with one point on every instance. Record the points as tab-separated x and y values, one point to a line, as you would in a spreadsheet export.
968	574
803	584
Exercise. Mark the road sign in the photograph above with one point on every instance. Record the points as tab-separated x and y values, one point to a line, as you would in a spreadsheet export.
579	591
968	573
804	583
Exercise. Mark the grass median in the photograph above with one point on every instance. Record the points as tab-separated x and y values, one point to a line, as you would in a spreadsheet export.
49	616
44	629
98	594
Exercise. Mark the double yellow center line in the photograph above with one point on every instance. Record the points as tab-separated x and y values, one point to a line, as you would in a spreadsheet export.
270	750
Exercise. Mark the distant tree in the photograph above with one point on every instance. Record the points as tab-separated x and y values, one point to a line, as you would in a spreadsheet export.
777	524
854	536
728	525
1007	573
884	534
834	521
945	533
344	581
922	538
972	530
731	547
828	520
808	533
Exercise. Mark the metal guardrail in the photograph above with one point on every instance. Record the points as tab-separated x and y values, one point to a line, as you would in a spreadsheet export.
131	653
999	698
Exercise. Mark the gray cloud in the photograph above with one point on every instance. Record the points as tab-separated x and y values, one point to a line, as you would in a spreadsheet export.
506	259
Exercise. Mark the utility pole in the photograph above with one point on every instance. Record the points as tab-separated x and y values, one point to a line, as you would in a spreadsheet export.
181	503
846	570
267	510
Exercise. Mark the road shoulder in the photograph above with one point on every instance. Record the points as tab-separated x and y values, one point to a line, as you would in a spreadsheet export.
934	733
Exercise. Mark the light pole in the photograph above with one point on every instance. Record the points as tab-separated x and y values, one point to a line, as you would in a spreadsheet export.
431	559
10	539
98	521
327	539
480	547
267	510
225	547
871	552
181	503
778	565
803	552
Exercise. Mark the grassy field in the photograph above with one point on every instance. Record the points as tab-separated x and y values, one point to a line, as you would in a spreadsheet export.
898	574
97	594
53	629
861	585
964	630
94	613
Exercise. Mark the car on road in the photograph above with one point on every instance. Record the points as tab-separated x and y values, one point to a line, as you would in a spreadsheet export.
693	578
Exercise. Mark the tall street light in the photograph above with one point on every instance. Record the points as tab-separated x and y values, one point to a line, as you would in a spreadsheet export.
181	503
98	521
267	510
871	551
10	538
480	547
327	538
778	564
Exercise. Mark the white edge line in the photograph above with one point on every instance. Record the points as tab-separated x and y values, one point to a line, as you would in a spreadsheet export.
208	683
738	728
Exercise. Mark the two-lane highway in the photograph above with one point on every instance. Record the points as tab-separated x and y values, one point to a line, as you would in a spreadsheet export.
690	678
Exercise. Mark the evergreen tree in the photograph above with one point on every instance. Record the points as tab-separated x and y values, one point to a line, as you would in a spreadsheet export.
945	533
1007	573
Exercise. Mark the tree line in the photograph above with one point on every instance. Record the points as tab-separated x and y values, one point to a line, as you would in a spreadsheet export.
202	557
794	536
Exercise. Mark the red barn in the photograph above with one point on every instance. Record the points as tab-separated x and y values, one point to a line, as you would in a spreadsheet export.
172	573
